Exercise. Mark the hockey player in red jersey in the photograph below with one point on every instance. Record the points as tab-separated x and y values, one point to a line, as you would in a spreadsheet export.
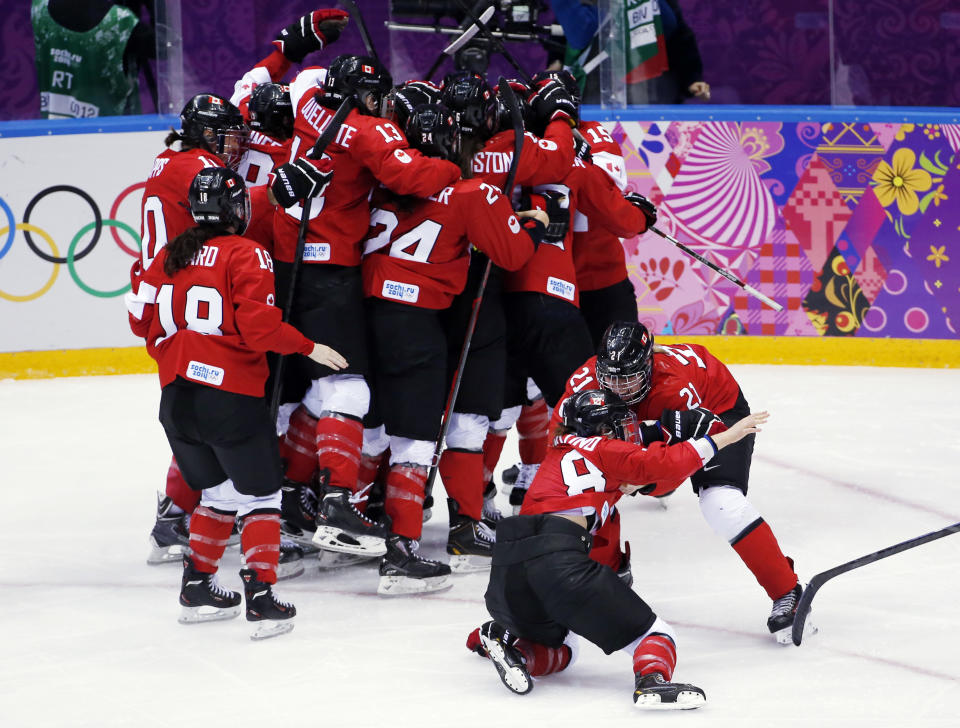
212	134
326	431
545	590
416	261
658	381
489	143
206	309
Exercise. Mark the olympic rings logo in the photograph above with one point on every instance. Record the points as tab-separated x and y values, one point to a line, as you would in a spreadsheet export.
72	255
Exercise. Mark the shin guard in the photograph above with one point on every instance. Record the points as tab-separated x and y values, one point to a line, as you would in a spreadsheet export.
656	652
532	431
182	495
339	441
542	660
209	533
492	447
260	542
758	548
462	473
299	446
406	488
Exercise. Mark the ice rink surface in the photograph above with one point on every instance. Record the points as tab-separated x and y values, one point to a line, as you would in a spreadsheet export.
853	459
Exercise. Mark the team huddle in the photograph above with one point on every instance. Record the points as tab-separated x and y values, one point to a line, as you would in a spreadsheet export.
385	242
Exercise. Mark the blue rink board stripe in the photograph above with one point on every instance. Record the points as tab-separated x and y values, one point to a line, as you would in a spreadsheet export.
681	112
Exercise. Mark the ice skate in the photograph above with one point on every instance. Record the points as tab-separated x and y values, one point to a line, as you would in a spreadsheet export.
341	527
328	560
404	571
500	647
470	543
491	515
202	599
298	514
269	616
170	537
653	692
518	490
780	622
291	562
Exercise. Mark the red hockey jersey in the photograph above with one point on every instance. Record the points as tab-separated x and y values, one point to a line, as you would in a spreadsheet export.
366	150
684	376
581	475
214	320
541	160
598	255
588	190
420	256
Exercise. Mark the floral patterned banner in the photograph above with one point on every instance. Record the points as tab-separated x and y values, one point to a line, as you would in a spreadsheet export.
850	226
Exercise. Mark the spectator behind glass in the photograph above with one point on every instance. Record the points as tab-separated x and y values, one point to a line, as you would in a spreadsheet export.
88	56
662	59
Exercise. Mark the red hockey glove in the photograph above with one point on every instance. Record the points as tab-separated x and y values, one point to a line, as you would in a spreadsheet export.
299	180
648	209
311	32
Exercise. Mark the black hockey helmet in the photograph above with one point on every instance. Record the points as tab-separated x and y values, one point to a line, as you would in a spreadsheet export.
271	111
625	360
219	197
522	92
433	130
399	104
213	123
360	76
473	102
599	412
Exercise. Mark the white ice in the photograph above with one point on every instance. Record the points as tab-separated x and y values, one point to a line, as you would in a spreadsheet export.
853	459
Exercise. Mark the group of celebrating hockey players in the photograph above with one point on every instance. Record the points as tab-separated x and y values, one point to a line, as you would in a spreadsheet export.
409	228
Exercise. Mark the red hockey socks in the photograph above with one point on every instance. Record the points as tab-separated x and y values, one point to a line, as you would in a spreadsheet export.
655	653
183	496
260	542
462	473
492	447
406	488
542	660
759	550
532	430
209	533
368	469
299	446
339	442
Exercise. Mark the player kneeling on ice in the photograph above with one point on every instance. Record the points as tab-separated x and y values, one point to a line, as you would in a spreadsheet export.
545	589
206	309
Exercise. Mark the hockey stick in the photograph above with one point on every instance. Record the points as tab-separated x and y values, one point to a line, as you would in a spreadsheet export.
460	42
803	607
354	11
515	115
717	269
328	135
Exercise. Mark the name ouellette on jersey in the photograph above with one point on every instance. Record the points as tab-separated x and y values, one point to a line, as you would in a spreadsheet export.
366	151
214	320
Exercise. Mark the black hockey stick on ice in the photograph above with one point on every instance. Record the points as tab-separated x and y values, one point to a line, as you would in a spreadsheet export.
464	38
717	269
328	135
354	11
803	608
516	117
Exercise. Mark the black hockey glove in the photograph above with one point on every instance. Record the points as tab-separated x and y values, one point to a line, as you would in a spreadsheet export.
550	202
535	229
581	148
299	180
689	424
648	209
311	32
550	101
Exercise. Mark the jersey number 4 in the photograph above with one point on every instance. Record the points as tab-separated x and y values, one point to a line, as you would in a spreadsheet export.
415	244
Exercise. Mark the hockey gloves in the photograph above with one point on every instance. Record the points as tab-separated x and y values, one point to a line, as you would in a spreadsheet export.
648	209
312	32
299	180
581	148
551	202
689	424
550	101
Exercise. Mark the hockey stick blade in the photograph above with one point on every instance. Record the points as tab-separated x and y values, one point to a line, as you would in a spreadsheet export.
803	607
351	7
717	269
327	136
469	33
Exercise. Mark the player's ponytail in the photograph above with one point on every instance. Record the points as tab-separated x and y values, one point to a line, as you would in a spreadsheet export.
183	248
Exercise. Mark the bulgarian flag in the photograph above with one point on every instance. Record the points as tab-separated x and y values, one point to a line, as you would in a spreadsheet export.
646	48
